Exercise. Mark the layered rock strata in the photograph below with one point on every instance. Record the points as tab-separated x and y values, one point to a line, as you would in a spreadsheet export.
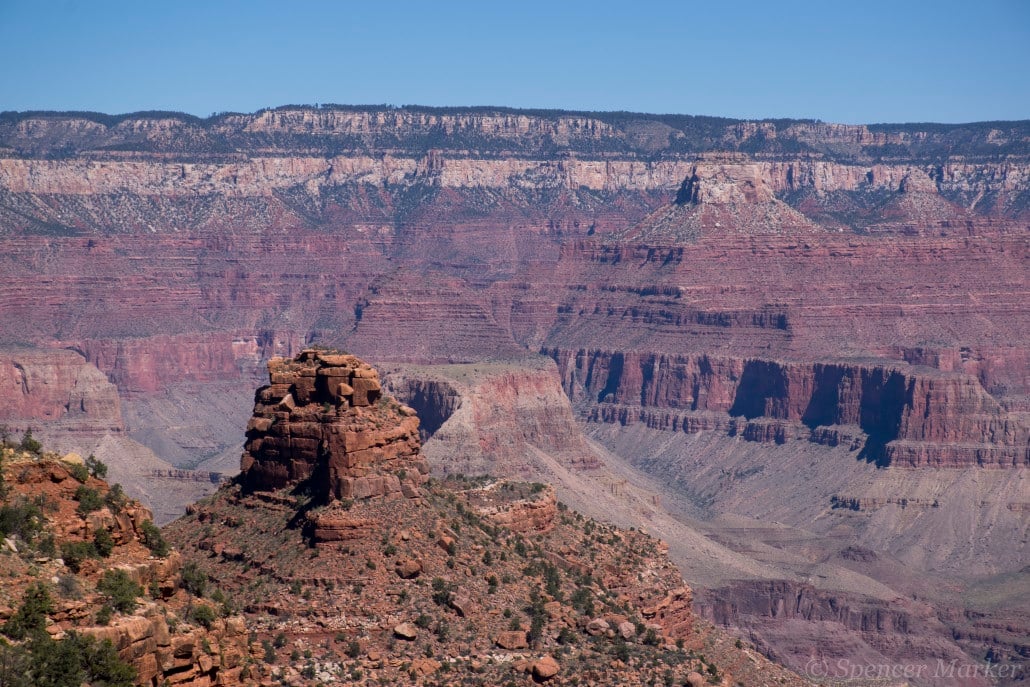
323	421
910	416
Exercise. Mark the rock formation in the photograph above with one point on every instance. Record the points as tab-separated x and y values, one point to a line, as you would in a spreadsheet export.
58	389
910	417
494	417
324	422
482	579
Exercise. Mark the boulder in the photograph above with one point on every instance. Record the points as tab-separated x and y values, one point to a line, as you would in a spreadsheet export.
695	679
545	668
512	639
408	568
405	631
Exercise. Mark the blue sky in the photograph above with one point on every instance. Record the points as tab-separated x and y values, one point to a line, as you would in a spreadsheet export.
853	62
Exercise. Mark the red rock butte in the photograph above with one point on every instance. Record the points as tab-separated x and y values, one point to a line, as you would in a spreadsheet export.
323	421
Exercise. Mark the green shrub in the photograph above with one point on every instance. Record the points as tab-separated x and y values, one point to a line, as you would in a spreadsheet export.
120	589
31	616
75	552
78	659
270	657
203	615
29	443
104	615
22	519
79	472
193	579
115	498
103	542
96	467
153	540
89	500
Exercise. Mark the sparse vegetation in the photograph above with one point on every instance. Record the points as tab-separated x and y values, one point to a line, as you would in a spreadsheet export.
89	500
29	443
120	589
193	579
30	618
103	542
153	539
75	553
203	615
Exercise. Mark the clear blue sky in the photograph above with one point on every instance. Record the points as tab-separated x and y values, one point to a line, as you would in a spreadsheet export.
876	61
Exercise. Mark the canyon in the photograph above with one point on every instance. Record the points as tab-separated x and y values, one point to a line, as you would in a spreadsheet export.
796	351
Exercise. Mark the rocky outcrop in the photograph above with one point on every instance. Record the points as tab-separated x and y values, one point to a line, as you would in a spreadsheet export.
520	512
323	421
199	656
306	560
158	637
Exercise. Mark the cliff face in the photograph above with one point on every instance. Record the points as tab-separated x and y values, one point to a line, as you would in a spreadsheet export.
492	131
59	389
494	418
323	421
910	417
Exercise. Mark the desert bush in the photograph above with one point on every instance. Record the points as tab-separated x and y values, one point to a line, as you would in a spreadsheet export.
29	443
89	500
75	552
193	579
79	472
96	467
120	589
22	519
103	542
153	540
31	616
203	615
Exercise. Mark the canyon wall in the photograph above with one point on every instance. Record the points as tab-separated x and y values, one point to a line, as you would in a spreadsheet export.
509	418
57	389
910	417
